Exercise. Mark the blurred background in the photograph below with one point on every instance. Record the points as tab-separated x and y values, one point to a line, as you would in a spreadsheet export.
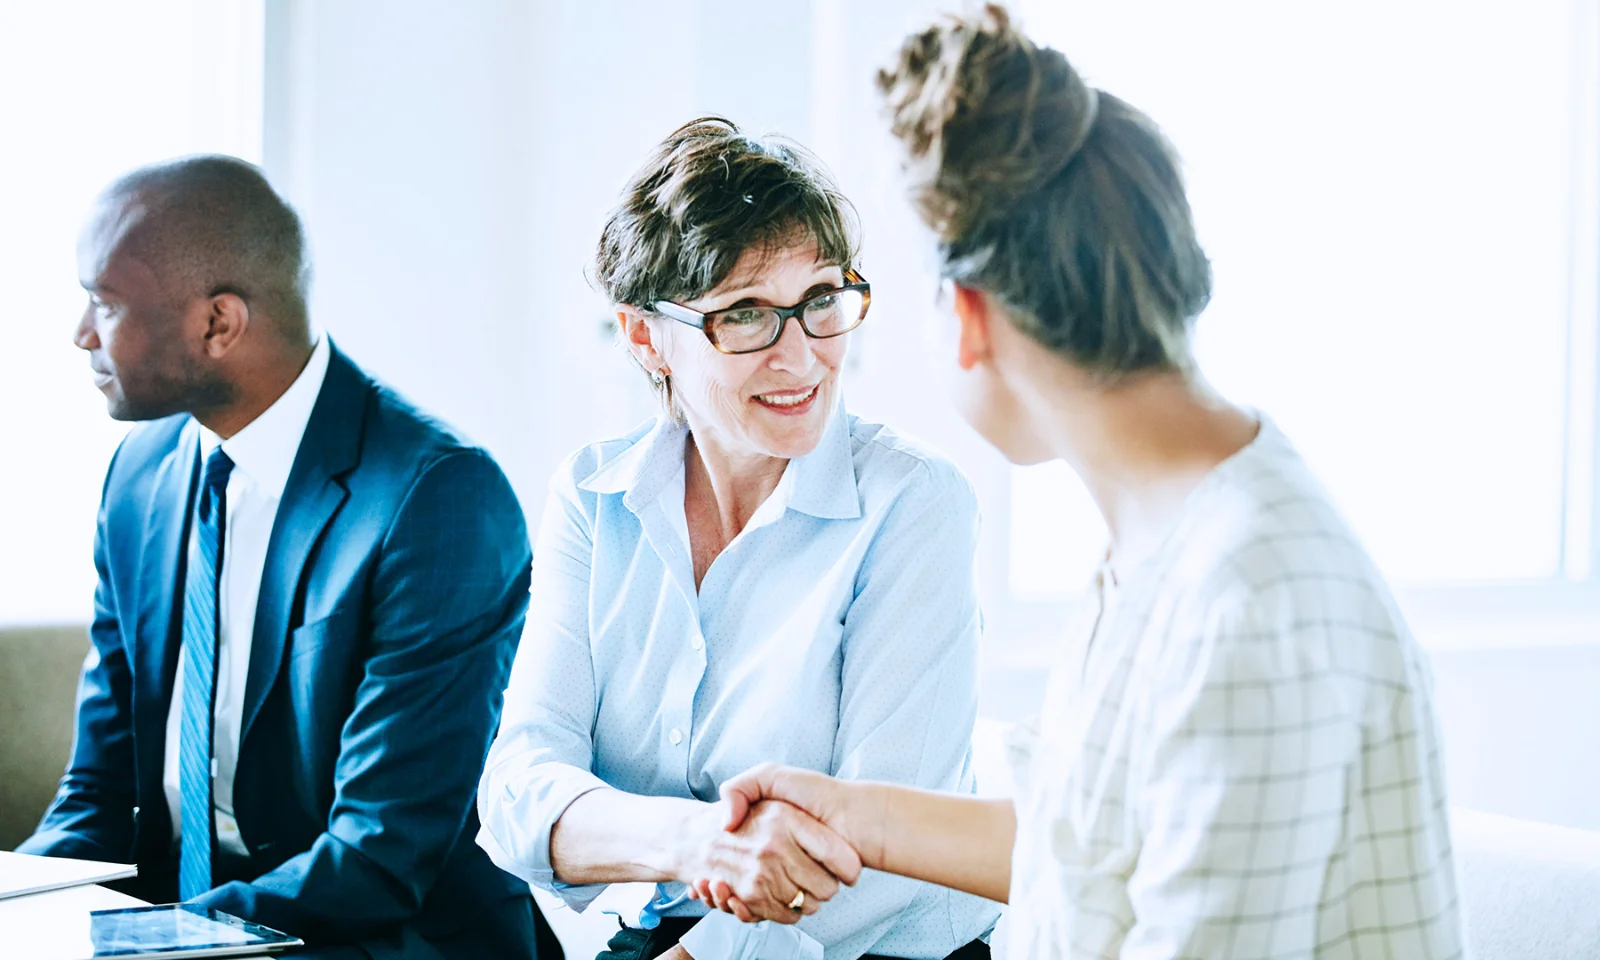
1400	199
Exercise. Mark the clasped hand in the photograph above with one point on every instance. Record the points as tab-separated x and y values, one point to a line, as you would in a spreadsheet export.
762	853
787	831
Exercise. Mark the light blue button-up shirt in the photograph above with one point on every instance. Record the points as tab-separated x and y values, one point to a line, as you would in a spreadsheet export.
838	631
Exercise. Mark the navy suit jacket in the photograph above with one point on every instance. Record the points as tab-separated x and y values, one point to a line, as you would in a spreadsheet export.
392	599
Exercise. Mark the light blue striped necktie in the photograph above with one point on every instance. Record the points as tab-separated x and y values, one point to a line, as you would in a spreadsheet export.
200	679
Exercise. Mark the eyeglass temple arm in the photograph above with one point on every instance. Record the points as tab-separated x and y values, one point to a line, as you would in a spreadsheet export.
682	314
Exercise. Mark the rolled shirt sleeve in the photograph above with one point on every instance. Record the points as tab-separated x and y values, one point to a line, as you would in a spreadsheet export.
540	760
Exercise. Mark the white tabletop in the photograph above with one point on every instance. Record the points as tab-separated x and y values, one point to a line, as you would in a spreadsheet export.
55	925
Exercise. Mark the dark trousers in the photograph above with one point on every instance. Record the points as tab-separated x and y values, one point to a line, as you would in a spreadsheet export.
633	944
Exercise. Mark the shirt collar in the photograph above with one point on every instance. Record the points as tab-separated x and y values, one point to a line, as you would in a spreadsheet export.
640	472
825	479
265	449
822	483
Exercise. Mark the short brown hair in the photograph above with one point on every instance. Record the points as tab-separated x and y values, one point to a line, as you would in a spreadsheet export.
706	196
1063	201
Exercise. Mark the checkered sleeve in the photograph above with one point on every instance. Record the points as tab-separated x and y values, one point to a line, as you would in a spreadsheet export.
1255	741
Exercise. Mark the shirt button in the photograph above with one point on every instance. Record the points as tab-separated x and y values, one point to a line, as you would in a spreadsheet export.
676	736
696	642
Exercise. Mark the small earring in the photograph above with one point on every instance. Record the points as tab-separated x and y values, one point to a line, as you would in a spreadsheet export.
659	377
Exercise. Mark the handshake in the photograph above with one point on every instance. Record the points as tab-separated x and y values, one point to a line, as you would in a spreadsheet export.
785	841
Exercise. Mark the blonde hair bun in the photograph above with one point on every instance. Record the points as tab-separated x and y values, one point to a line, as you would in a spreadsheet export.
987	116
1063	202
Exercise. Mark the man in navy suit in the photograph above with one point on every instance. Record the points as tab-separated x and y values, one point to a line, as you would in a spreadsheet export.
309	598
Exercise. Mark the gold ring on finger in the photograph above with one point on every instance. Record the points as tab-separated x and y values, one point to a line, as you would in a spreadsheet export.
799	902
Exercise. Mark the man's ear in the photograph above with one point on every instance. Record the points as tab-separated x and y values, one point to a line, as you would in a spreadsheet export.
975	313
640	339
227	318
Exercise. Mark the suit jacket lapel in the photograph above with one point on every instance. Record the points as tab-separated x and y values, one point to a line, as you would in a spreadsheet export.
156	636
315	490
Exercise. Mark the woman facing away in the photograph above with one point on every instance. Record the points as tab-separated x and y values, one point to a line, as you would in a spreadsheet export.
1237	754
756	574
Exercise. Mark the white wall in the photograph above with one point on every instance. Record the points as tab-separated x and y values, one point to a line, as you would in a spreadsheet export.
454	163
402	132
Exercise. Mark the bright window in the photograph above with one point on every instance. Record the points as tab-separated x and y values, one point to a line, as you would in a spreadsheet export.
94	89
1394	196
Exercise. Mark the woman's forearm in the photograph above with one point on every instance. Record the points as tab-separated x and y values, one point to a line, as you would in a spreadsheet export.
952	840
608	836
949	839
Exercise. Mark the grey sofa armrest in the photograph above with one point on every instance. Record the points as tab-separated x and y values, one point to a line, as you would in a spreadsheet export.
38	686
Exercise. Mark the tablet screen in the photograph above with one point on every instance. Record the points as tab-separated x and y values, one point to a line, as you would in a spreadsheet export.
177	928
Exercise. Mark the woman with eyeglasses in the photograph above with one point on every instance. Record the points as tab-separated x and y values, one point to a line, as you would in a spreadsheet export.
755	575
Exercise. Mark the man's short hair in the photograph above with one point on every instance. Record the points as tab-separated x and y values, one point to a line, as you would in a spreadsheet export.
212	224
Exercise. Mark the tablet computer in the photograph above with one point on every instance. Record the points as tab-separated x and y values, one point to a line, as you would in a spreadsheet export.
185	930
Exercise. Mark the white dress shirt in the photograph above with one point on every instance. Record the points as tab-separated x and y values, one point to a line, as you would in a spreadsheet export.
1237	755
263	454
838	632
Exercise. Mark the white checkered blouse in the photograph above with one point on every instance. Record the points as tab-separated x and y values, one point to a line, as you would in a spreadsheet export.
1237	755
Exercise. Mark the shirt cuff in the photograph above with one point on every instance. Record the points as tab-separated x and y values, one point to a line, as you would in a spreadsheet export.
578	898
721	936
517	818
